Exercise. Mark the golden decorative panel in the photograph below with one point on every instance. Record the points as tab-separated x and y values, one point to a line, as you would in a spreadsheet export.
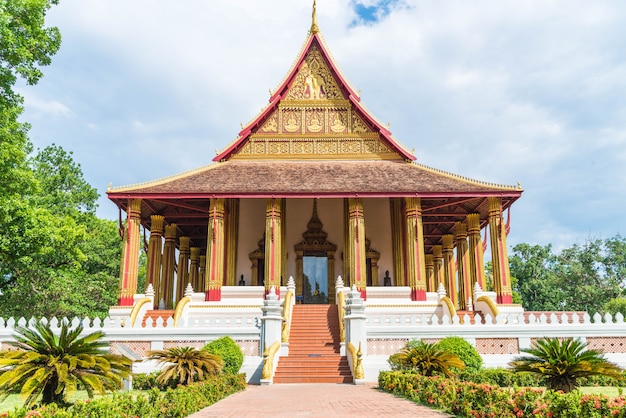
315	121
265	147
358	126
292	121
338	121
314	80
271	124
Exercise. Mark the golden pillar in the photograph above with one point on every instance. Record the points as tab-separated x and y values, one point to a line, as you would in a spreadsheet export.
232	232
215	251
463	261
356	245
130	255
397	240
273	245
182	274
194	268
168	263
449	267
477	258
415	260
438	266
499	254
430	273
201	273
153	267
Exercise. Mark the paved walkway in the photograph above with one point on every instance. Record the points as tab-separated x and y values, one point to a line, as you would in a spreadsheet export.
315	401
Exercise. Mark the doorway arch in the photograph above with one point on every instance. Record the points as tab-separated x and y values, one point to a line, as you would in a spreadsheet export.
315	244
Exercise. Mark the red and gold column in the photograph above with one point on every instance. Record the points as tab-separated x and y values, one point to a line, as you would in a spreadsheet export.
449	268
430	273
463	261
477	260
153	267
356	245
182	274
416	264
438	266
194	268
273	245
499	254
168	261
215	251
130	255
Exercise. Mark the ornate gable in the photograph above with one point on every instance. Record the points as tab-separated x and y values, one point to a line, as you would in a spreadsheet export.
314	114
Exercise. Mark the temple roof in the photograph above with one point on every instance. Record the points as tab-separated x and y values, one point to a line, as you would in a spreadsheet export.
332	178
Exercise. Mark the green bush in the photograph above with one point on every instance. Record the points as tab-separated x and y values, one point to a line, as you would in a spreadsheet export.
142	381
229	351
469	399
464	350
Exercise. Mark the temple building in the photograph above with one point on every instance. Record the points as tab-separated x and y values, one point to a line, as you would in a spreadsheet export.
313	188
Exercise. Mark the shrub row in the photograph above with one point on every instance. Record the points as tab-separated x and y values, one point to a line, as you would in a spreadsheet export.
508	378
477	400
154	403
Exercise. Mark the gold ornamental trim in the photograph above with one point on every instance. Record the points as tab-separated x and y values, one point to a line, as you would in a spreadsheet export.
448	174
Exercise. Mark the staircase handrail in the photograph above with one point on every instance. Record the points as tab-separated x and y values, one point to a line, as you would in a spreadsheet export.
287	313
180	306
356	360
134	313
341	302
268	361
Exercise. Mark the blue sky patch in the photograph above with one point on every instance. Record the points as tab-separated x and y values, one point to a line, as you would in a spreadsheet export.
371	13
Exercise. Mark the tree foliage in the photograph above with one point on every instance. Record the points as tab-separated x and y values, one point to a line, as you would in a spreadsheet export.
56	257
562	363
47	365
583	277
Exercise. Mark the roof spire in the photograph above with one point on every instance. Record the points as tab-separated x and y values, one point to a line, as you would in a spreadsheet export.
314	29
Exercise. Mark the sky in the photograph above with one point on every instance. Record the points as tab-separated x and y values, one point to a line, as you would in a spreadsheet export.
500	91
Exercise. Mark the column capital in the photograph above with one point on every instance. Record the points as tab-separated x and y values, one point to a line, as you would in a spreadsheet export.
170	231
156	224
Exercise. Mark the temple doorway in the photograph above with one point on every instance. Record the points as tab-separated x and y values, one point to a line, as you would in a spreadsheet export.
315	279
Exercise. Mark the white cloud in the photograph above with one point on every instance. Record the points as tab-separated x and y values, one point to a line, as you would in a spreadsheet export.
501	91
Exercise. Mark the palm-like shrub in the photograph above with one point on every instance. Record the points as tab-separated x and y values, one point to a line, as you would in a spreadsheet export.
562	363
185	365
427	359
50	365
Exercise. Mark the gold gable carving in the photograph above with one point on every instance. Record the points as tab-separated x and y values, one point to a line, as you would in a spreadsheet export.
314	80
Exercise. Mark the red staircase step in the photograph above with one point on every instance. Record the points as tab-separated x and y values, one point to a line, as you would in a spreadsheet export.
314	348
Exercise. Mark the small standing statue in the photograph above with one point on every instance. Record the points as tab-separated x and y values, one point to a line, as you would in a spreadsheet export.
387	279
242	282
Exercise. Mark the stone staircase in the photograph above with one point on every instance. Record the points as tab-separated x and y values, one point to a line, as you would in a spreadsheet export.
314	348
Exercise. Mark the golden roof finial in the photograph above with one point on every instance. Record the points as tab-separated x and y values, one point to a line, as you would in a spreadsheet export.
314	28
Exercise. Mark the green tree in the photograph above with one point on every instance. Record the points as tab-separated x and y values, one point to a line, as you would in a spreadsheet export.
63	260
562	363
185	365
427	358
49	365
533	266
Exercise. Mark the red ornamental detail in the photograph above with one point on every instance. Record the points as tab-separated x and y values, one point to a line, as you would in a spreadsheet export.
125	301
213	295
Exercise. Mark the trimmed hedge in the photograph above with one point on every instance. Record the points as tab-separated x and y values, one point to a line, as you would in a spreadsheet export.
477	400
229	351
172	403
464	350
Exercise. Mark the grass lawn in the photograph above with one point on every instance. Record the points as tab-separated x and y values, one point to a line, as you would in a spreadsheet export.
610	391
14	401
